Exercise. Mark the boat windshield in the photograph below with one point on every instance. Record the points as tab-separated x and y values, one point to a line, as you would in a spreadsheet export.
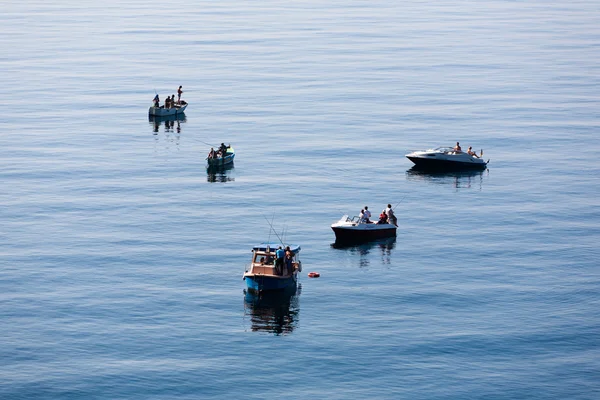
443	149
356	219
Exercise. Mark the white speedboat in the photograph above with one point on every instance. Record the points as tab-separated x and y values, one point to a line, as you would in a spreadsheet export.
355	230
162	111
446	159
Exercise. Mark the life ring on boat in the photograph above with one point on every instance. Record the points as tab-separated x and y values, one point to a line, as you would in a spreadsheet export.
314	274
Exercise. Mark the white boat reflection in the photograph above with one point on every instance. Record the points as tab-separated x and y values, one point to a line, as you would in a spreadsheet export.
458	179
364	251
273	312
171	123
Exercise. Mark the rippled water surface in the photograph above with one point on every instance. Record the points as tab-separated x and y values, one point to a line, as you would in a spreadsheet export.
121	257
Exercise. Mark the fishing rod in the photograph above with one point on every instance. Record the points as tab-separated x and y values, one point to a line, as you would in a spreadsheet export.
283	232
273	229
273	217
201	141
401	200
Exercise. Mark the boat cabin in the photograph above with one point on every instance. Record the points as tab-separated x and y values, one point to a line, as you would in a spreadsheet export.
263	260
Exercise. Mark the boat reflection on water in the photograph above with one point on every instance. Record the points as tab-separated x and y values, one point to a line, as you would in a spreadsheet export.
220	173
273	312
383	246
458	179
172	123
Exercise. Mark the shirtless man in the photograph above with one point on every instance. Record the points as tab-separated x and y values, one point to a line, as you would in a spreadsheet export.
472	153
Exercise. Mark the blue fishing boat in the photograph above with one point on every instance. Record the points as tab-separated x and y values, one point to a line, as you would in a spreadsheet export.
268	273
217	160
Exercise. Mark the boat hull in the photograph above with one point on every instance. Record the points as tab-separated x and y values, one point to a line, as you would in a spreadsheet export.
270	283
433	164
350	235
220	161
164	112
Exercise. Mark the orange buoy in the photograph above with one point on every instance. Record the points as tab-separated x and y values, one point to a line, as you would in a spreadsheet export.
314	274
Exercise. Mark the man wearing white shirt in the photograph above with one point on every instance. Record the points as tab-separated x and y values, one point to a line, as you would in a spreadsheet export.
391	217
367	215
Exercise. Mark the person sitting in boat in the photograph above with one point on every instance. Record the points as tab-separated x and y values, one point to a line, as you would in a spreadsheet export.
457	148
361	215
223	149
472	153
279	255
262	261
367	215
211	153
269	259
173	100
390	215
382	218
156	101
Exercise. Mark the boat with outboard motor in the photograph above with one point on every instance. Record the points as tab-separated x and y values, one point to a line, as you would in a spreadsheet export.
162	111
358	230
267	272
447	159
217	160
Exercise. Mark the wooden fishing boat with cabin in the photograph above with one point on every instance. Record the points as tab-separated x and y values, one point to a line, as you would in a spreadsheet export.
267	272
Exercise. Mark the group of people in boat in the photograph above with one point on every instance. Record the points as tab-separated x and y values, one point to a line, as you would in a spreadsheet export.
284	261
170	101
387	216
458	149
220	152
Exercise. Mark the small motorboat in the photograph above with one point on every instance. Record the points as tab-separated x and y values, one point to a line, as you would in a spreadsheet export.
446	159
357	230
219	160
162	111
266	273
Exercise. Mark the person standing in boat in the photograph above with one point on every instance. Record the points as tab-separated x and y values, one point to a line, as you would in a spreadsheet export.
279	255
156	101
168	102
211	153
390	215
179	92
289	257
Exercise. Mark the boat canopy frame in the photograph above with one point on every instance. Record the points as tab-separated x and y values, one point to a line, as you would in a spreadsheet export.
272	247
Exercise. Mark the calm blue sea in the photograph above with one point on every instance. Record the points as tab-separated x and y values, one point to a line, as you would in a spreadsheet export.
121	258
